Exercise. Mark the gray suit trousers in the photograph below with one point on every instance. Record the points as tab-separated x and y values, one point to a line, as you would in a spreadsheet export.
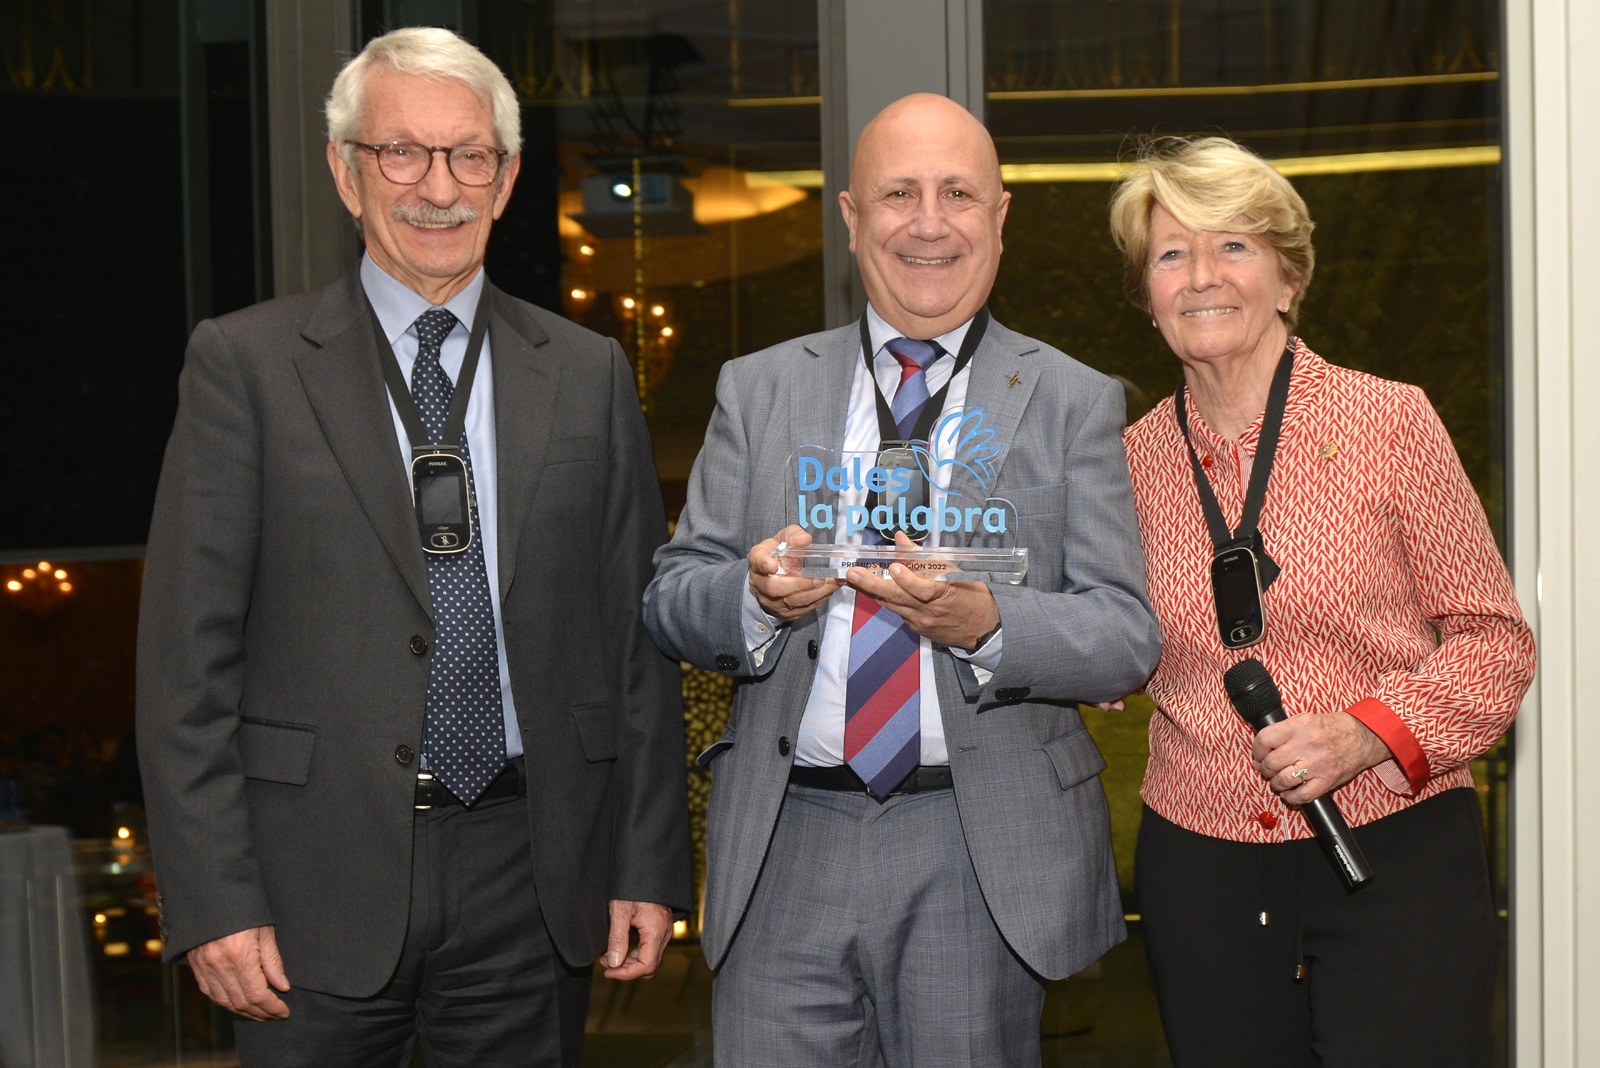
868	942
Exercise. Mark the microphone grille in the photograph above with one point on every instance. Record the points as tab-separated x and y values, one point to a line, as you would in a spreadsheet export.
1251	689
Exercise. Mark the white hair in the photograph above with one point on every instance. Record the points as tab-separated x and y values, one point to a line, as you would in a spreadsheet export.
430	52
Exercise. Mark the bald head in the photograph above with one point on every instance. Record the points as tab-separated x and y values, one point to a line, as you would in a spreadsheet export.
925	210
919	116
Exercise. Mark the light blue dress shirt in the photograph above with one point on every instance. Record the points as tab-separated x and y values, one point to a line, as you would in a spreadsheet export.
398	309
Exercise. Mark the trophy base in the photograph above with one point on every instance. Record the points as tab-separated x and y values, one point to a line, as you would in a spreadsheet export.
1007	566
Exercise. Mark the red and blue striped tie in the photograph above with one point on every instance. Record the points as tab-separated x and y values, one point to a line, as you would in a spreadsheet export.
883	693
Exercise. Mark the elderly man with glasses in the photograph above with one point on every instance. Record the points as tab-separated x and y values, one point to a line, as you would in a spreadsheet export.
411	760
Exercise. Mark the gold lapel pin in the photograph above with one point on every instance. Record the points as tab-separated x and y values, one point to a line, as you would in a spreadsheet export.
1016	376
1328	451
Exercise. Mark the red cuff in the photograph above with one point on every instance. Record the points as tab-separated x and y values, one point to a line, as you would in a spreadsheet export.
1392	730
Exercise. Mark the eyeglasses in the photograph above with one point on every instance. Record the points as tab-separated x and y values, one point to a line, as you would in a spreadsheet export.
407	163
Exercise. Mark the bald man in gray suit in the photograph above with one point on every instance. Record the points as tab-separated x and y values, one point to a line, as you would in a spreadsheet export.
853	919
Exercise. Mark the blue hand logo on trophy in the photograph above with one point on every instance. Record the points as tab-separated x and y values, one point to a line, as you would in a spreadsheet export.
971	448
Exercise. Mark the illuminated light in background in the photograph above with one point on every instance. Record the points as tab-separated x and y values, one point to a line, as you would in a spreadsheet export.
716	195
40	589
1413	159
1330	85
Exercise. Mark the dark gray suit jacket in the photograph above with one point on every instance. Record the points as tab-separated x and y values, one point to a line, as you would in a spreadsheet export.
1079	629
286	618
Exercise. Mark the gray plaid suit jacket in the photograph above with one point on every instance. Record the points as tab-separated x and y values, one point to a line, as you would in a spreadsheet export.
1079	629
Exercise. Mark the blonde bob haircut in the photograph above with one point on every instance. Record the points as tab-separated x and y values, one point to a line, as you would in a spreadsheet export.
1211	183
428	52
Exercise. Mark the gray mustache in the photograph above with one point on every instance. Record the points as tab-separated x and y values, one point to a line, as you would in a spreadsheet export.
425	214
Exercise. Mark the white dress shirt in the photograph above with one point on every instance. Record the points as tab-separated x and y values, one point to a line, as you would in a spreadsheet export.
820	741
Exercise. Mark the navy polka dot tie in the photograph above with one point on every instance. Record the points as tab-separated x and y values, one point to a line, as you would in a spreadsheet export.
464	736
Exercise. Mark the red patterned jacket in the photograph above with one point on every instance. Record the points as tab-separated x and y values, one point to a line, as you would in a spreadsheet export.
1393	604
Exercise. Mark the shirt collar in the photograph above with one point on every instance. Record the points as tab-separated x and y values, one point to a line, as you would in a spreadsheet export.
882	333
399	306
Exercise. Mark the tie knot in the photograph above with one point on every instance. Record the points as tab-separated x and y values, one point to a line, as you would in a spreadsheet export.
913	355
433	326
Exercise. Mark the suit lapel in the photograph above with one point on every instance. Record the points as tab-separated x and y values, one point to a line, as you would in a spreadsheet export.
1001	381
819	397
343	381
524	410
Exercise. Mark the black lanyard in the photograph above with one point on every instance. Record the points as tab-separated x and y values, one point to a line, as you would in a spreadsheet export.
456	420
888	430
1247	534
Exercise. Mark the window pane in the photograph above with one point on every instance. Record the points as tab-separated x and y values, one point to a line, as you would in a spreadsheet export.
672	186
670	197
141	217
1387	118
144	211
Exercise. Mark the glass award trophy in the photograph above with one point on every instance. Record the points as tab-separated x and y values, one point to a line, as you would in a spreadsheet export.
854	503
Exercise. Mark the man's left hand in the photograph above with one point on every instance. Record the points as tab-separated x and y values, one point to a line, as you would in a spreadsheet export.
654	924
956	614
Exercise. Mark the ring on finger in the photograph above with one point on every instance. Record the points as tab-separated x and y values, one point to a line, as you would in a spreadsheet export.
1299	774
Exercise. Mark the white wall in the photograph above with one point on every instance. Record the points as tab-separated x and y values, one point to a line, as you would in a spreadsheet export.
1552	70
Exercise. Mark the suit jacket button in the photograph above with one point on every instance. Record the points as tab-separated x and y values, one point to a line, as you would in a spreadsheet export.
727	663
811	648
403	754
419	644
783	747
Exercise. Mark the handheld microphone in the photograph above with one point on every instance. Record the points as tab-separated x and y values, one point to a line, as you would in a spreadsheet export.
1255	697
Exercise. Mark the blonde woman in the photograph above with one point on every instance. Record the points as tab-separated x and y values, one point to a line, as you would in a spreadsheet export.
1357	567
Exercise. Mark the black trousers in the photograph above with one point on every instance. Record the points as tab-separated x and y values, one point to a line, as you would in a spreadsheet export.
1399	973
478	984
